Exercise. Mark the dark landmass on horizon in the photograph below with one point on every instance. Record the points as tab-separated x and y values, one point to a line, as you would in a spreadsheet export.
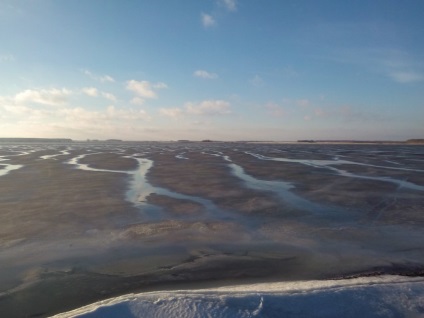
408	141
303	141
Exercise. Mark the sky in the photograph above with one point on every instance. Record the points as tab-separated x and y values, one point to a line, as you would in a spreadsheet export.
212	69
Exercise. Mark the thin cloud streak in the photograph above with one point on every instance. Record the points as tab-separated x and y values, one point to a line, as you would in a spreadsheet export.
406	77
205	74
230	5
99	78
397	65
7	58
210	107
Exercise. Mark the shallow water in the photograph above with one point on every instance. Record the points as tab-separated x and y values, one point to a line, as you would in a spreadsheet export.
62	153
328	164
7	167
140	189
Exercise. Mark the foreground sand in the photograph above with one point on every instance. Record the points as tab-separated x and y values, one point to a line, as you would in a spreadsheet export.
74	230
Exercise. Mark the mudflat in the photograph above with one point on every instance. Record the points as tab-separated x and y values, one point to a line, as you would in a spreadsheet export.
86	221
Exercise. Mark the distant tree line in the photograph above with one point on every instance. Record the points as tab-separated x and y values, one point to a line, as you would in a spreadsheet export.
415	141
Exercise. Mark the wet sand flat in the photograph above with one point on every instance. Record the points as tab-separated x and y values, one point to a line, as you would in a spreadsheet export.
87	221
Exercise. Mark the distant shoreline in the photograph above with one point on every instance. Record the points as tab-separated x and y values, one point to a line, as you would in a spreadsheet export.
31	140
300	142
337	142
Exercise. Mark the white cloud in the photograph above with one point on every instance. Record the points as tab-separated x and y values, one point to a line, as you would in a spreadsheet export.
106	78
20	118
230	5
109	96
137	101
126	114
50	97
406	76
160	85
208	107
7	58
94	92
80	114
171	112
11	110
100	78
145	89
90	91
207	20
204	74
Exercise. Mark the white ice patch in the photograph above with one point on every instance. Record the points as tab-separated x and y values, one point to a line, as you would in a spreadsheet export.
7	168
181	156
62	153
383	296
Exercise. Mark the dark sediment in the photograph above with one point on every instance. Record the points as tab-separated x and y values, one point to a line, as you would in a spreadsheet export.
70	237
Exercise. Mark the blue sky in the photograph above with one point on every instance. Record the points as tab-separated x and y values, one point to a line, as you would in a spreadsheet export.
216	69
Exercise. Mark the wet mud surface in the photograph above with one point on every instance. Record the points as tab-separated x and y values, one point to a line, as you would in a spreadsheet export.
82	222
